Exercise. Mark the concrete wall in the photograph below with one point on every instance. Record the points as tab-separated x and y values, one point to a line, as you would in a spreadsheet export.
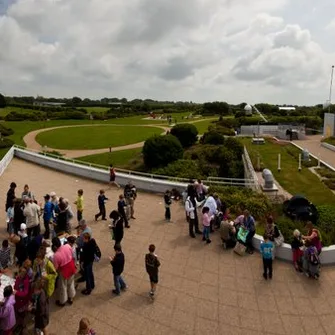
249	171
328	146
329	125
6	160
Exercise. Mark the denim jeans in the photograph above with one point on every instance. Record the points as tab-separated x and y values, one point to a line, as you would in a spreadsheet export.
119	283
205	232
89	276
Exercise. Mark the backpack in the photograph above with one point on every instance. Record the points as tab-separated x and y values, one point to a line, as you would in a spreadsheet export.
313	256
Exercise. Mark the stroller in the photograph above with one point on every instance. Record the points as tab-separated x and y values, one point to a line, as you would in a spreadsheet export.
311	262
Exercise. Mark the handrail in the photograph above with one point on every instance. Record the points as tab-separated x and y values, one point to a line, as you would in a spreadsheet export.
209	180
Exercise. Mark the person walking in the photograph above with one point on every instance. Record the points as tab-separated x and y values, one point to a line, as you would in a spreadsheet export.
80	204
102	207
66	268
117	226
152	264
112	176
117	263
130	195
121	205
167	204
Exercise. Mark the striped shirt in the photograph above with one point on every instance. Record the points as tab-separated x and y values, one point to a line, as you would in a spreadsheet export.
4	258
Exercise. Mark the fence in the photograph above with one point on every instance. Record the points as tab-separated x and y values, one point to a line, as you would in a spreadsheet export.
249	171
6	160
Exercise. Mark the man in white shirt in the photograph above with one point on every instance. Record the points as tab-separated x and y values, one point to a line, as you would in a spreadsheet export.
32	214
191	211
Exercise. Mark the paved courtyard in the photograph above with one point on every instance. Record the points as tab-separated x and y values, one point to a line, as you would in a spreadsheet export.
203	289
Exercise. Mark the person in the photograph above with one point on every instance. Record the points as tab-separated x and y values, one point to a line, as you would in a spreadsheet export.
27	264
117	226
10	219
191	211
311	260
130	195
80	204
84	328
10	196
211	204
227	234
117	263
272	232
313	236
48	215
112	176
27	193
297	253
40	307
21	242
32	213
152	265
102	207
249	225
167	204
121	205
18	215
54	199
66	268
33	246
22	296
266	252
4	255
200	190
87	257
7	311
206	222
44	268
64	216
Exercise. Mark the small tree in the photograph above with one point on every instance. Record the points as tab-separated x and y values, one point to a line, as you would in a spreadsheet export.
159	151
186	133
2	101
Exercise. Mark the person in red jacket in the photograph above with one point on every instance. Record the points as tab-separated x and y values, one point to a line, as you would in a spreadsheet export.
22	295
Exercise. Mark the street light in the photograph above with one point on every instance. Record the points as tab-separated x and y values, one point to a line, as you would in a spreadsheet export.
331	86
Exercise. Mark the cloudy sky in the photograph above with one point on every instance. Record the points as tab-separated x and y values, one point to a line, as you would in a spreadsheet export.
277	51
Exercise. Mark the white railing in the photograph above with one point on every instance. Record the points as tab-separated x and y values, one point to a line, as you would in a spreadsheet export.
250	171
210	180
6	160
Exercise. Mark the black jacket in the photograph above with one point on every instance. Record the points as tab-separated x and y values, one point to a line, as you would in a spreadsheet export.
118	264
88	252
10	198
118	230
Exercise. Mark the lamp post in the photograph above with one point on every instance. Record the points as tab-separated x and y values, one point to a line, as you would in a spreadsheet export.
331	87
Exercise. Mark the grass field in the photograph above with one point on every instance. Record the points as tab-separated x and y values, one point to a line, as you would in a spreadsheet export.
202	126
95	137
293	181
96	109
126	159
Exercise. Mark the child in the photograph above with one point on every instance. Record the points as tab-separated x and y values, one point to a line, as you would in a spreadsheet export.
297	253
121	205
4	255
40	307
102	208
22	296
152	264
266	252
7	311
10	220
118	265
206	222
80	204
167	203
112	177
84	328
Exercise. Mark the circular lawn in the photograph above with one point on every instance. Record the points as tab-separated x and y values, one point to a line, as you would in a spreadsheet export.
95	137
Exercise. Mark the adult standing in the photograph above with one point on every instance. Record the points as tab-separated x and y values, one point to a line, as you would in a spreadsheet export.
82	229
191	211
313	236
117	226
48	215
249	225
10	196
130	194
27	193
121	205
32	213
18	215
64	264
200	189
87	259
118	266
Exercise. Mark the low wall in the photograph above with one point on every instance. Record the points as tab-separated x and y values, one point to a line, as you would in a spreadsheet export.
328	146
142	183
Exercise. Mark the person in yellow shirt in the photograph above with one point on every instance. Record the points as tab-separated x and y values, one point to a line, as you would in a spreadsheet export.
80	205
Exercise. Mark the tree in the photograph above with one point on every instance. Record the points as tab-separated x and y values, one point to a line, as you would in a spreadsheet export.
76	101
2	101
216	107
186	133
212	137
159	151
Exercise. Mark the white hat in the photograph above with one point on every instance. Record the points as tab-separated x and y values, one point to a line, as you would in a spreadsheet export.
52	194
23	226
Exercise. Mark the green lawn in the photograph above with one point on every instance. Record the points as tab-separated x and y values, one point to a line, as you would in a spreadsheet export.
202	126
96	109
293	181
95	137
122	159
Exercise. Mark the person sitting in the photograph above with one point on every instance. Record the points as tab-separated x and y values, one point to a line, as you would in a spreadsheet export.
249	225
228	234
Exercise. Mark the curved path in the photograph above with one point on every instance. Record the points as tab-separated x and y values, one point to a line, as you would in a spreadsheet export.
31	143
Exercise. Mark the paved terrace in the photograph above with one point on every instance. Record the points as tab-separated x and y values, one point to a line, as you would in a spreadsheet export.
203	289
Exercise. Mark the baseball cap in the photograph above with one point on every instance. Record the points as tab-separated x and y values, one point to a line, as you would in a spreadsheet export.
23	226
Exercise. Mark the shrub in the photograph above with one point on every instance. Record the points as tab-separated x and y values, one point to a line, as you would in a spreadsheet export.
6	131
159	151
326	173
6	143
212	137
186	133
330	183
182	168
287	226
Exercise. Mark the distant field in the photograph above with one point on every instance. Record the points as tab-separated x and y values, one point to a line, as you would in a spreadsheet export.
96	109
95	137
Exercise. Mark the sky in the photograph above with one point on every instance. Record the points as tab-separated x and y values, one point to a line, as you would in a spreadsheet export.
278	51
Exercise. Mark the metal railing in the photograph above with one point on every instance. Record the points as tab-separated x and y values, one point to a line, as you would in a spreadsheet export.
238	182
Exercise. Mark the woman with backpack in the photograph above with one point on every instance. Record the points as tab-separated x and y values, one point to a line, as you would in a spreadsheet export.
314	237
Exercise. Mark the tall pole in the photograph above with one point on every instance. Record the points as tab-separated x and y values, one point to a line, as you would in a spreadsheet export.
331	87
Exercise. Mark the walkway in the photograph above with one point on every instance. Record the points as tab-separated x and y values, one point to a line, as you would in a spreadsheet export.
31	143
313	145
202	290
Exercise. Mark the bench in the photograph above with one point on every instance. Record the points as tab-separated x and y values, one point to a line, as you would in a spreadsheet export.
258	140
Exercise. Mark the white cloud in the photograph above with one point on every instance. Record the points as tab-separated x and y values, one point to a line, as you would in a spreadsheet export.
183	50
